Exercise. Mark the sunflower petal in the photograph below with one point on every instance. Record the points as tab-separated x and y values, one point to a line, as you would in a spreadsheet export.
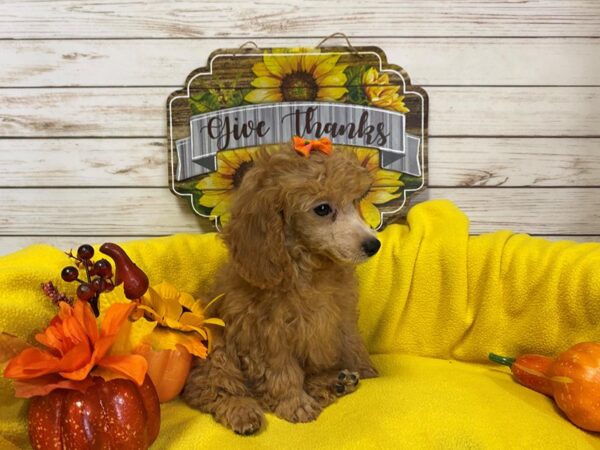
380	196
370	213
222	208
260	70
310	61
264	96
215	180
325	64
210	199
224	219
266	82
336	79
331	93
272	63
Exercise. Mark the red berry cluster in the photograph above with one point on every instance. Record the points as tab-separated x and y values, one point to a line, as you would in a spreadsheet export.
98	274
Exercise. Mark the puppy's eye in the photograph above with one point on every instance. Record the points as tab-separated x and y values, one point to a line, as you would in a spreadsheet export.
323	209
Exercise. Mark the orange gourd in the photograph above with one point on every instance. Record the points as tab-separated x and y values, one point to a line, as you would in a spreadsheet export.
116	415
168	370
573	379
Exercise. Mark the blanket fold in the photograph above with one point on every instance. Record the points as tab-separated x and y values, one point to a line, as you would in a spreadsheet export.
431	291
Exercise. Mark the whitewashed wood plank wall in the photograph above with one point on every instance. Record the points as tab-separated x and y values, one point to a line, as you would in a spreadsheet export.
514	91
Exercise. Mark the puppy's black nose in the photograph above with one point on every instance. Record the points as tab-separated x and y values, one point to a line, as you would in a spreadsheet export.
371	246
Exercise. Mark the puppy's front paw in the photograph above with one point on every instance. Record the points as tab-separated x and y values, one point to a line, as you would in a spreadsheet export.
300	408
346	382
244	416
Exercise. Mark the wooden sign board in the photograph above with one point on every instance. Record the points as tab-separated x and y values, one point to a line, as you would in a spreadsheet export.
248	98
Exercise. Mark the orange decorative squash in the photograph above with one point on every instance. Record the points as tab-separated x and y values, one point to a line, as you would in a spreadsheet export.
168	370
116	414
573	379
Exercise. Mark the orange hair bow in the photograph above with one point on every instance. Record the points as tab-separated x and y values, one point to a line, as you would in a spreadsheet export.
305	146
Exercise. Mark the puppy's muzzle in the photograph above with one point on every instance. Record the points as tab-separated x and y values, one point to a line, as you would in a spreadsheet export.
371	246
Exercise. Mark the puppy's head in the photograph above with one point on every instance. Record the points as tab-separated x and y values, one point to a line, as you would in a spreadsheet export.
289	209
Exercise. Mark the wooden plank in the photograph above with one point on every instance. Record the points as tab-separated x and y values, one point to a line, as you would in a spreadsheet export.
152	211
157	18
454	111
10	244
83	162
142	162
438	61
514	162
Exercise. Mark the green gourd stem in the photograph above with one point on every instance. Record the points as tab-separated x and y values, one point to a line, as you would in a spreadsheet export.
504	360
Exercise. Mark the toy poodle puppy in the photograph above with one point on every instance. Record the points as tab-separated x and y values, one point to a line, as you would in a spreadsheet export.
291	344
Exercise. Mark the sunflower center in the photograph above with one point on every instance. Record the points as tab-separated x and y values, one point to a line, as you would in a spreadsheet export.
240	172
299	86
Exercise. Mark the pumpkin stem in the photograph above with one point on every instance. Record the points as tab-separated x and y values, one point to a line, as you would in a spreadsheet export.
504	360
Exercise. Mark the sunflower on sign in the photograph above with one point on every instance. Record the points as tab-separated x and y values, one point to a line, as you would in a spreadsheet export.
303	77
380	93
217	188
386	186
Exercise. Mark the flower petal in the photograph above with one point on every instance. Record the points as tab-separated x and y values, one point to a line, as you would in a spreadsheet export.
214	321
168	301
31	363
266	82
336	79
380	196
210	199
331	93
222	208
76	358
163	339
133	367
370	213
264	96
272	63
224	219
215	180
44	385
325	64
188	318
84	314
260	70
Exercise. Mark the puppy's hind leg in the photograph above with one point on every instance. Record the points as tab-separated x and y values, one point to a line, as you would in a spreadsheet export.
216	386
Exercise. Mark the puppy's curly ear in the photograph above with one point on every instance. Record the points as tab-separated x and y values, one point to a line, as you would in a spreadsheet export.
255	233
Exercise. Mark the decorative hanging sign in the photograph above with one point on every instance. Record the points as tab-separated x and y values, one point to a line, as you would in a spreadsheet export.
249	98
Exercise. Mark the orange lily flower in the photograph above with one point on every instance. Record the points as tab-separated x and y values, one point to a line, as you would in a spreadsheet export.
75	346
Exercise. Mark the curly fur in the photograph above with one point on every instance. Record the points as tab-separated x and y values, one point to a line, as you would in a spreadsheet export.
290	303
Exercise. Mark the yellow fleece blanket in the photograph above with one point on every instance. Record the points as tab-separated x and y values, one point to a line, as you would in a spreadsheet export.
433	302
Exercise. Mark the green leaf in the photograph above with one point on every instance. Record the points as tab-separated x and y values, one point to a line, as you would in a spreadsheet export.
203	102
356	92
354	75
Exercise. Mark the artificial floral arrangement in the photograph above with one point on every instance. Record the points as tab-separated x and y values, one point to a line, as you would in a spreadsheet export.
107	361
572	379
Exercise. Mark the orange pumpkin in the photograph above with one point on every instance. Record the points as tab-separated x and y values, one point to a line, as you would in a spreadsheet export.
573	379
116	415
168	369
